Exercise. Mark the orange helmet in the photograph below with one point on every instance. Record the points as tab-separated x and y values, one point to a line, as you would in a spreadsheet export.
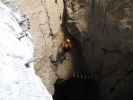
67	45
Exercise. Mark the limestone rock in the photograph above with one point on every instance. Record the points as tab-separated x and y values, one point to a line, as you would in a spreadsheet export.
45	18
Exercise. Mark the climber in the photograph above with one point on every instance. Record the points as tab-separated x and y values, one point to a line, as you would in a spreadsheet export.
63	52
67	45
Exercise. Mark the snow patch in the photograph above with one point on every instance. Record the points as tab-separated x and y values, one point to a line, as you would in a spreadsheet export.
17	81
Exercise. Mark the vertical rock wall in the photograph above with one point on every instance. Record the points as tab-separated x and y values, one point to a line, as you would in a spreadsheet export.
106	42
45	17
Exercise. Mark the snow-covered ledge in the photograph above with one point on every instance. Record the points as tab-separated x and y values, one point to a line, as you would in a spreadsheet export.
18	80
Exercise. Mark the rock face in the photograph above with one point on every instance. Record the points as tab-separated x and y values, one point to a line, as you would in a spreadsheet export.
47	36
103	30
45	18
102	34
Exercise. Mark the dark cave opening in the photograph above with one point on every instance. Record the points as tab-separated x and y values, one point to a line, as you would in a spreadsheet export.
76	89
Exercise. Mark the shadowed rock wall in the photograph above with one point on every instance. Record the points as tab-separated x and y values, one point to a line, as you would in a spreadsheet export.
103	29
